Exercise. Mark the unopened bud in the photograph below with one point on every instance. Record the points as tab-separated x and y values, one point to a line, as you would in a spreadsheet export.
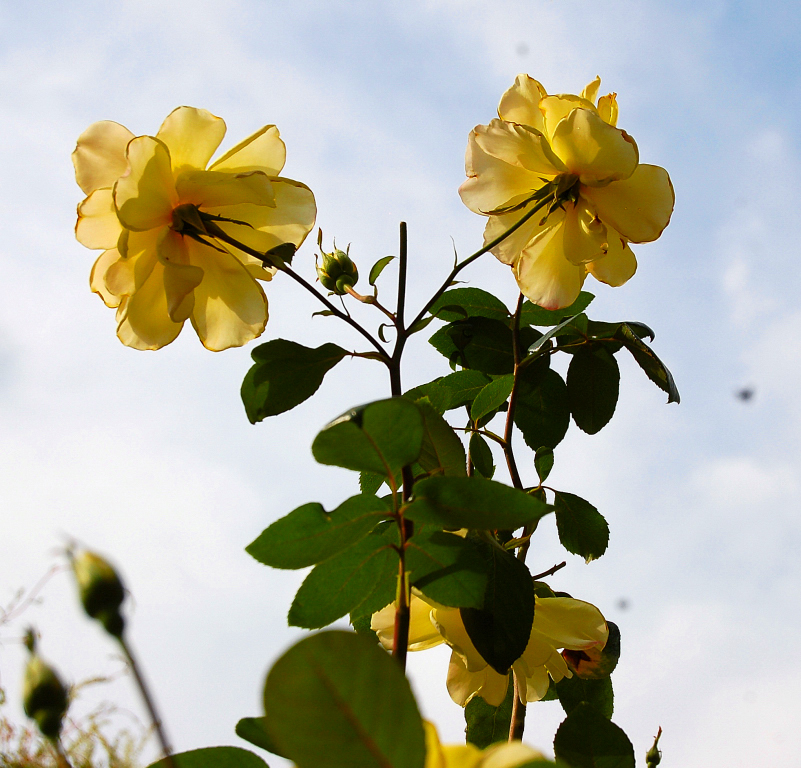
654	755
100	590
44	697
337	272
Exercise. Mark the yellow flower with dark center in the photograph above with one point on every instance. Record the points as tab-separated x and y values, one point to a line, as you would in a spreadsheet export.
566	148
159	215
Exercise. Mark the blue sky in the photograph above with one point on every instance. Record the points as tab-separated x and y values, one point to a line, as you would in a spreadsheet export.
149	458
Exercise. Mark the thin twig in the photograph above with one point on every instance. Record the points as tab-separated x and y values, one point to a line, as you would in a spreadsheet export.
550	571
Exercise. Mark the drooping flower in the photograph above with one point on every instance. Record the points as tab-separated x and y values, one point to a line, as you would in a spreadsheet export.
559	623
157	213
508	754
564	150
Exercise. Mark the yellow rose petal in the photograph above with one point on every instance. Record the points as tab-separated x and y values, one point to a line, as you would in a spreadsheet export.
463	683
97	277
180	277
569	623
639	207
263	151
99	157
594	150
521	103
98	225
555	108
509	249
607	108
145	197
213	189
590	92
192	136
584	235
619	264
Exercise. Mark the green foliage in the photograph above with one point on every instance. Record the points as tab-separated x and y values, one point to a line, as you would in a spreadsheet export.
543	410
461	303
335	700
582	528
381	437
572	691
593	384
531	314
308	535
213	757
646	358
481	343
340	584
442	451
485	724
254	730
481	456
492	396
284	375
378	268
587	739
500	630
447	568
473	502
543	462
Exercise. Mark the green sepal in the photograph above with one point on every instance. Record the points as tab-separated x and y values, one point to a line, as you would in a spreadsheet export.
593	385
212	757
284	375
336	700
380	437
308	535
486	725
473	502
586	739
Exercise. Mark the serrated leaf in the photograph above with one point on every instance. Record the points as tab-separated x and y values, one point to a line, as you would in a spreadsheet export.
442	451
284	375
646	358
473	302
531	314
582	528
543	411
478	343
481	456
213	757
543	462
473	502
500	630
593	385
572	691
492	396
461	388
254	730
357	698
308	535
485	724
381	437
586	739
378	268
341	583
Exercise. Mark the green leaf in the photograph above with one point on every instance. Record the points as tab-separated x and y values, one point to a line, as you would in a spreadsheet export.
500	631
481	456
572	691
582	528
285	374
340	584
473	502
370	482
380	437
543	411
495	394
473	302
378	268
479	343
309	534
431	391
531	314
337	700
654	368
543	462
254	730
486	724
586	739
442	451
447	568
555	331
420	325
213	757
593	384
461	388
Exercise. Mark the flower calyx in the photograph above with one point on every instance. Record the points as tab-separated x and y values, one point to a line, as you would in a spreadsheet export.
44	697
100	590
337	272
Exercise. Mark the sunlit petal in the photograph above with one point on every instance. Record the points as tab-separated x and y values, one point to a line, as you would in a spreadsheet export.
463	683
263	151
521	103
214	189
619	264
98	225
569	623
97	277
555	108
192	136
99	157
607	108
590	92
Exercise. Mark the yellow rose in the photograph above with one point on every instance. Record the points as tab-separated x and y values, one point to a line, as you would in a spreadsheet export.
559	622
606	198
508	754
149	201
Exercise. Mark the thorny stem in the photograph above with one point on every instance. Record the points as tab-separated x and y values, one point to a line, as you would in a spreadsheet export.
149	703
